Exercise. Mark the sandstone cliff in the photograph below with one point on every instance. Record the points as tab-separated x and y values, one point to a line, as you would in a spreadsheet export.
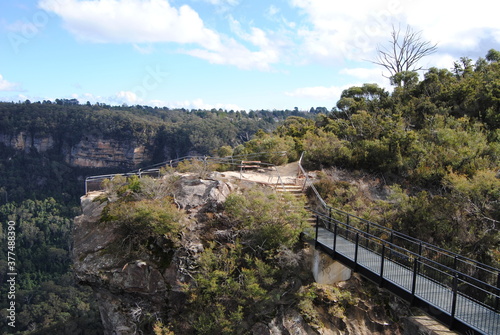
90	151
26	142
95	151
131	290
137	287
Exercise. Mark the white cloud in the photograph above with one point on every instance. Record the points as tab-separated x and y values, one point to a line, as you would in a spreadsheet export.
143	22
222	2
266	49
273	10
368	75
5	85
238	56
454	26
440	60
334	30
128	97
331	93
131	98
351	29
132	21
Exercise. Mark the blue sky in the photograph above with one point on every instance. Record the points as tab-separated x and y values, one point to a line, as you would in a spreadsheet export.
230	54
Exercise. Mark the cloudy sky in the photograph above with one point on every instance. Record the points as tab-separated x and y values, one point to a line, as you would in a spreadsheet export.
230	54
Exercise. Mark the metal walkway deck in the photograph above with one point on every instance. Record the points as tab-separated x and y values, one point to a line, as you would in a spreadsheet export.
458	291
410	282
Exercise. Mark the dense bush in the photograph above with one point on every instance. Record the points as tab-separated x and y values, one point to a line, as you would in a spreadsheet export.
48	299
243	282
267	220
142	208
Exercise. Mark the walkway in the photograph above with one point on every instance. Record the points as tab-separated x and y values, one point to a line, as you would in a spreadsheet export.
421	289
459	292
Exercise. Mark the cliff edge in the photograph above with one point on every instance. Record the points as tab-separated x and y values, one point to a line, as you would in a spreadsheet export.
148	281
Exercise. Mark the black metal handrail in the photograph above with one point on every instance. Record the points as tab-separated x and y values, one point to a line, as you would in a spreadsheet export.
463	276
458	284
329	210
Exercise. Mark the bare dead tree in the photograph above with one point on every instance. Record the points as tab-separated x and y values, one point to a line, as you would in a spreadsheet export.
403	51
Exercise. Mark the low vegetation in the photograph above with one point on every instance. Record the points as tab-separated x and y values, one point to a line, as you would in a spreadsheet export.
245	279
433	145
433	142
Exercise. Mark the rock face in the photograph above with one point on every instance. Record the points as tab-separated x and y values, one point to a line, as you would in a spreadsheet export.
328	271
90	151
131	290
134	290
197	193
94	151
25	142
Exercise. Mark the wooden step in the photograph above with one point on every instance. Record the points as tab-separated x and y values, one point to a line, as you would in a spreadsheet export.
289	188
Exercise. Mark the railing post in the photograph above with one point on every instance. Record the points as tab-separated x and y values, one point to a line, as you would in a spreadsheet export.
356	252
381	281
335	237
416	270
347	230
367	232
391	240
454	301
497	302
414	281
419	255
330	212
317	229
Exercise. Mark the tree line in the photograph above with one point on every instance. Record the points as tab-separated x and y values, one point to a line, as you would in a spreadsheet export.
435	141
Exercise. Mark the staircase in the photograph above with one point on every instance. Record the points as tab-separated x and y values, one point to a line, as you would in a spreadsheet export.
298	192
294	189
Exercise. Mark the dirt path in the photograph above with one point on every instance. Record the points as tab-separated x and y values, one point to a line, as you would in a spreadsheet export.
288	174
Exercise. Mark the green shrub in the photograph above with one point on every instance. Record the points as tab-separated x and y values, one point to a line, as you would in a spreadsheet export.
273	149
229	286
268	220
145	217
325	149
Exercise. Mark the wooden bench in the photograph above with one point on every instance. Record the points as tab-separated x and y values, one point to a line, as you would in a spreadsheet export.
249	165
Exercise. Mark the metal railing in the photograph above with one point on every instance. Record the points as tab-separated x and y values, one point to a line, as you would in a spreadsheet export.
95	183
463	277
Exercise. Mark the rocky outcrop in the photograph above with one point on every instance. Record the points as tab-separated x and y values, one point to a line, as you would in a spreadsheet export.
327	270
90	151
133	287
131	290
26	142
196	193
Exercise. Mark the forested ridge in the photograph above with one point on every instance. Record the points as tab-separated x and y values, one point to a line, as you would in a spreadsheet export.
168	134
40	192
434	144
